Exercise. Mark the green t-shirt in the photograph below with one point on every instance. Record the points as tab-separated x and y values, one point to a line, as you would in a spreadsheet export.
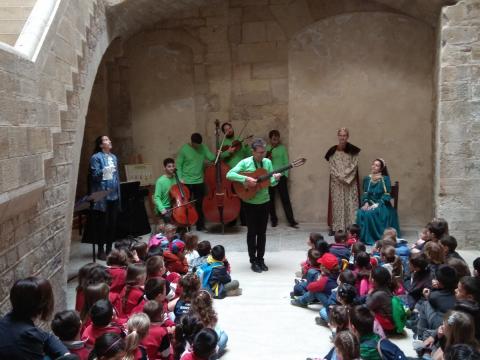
279	157
191	163
368	347
248	165
234	159
161	198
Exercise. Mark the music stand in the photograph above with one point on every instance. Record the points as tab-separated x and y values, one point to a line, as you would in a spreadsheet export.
87	202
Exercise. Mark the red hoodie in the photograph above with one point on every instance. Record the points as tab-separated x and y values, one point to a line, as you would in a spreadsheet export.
92	332
157	342
174	263
118	274
132	299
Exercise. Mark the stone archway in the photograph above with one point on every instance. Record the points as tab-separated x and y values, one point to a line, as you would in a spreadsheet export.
370	72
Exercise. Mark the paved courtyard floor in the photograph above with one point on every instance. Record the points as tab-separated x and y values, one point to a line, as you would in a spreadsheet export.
261	324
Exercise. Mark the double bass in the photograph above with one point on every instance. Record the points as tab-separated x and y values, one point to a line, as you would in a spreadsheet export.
220	205
183	211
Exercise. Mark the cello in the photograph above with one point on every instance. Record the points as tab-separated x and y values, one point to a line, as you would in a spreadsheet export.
183	212
220	205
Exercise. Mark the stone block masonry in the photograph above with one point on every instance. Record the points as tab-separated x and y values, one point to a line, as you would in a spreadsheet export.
457	183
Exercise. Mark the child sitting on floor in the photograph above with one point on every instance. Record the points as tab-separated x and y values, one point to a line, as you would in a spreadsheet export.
132	293
312	272
174	257
339	248
321	289
379	300
101	315
393	264
220	283
67	325
346	277
157	342
117	262
353	234
191	253
189	285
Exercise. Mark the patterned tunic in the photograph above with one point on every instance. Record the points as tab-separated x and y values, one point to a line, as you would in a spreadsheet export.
343	189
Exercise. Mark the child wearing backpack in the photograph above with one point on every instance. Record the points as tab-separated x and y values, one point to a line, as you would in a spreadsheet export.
387	308
215	276
372	347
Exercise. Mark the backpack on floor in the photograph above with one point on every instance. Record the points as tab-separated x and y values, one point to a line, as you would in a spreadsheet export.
389	351
399	316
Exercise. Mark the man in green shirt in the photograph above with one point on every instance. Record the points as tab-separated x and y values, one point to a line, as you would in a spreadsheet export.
191	161
233	154
161	198
256	208
277	152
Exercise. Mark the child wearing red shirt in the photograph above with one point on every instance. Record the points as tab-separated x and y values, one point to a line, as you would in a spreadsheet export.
137	327
117	262
101	315
67	325
133	292
157	342
353	234
174	257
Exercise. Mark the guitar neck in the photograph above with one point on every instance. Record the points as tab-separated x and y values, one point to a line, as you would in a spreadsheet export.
280	170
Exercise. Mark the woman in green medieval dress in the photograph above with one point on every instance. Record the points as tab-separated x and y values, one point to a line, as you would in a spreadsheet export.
377	212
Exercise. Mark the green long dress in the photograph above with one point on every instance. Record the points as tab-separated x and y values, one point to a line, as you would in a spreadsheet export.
374	222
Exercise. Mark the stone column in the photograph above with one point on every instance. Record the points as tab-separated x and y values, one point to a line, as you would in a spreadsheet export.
457	183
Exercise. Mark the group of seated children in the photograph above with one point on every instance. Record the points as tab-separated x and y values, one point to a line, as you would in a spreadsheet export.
151	302
366	297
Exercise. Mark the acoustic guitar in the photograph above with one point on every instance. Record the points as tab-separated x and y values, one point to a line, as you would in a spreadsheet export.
245	192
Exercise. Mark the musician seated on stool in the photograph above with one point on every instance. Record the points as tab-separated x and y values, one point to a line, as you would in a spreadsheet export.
161	198
257	207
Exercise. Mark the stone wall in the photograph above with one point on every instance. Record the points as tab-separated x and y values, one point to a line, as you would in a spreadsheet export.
362	71
231	61
44	102
457	190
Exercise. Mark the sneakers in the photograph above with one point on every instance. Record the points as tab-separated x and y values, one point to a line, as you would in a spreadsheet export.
295	302
320	321
236	292
294	225
256	268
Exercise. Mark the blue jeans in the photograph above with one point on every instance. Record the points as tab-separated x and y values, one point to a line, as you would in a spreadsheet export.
222	339
310	297
301	288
